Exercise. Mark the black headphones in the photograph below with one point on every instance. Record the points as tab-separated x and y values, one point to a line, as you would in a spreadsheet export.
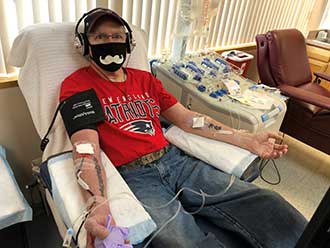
81	39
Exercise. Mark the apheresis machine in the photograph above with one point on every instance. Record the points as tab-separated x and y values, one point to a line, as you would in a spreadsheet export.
208	84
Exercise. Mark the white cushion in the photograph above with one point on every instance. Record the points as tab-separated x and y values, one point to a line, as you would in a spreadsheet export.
232	159
126	210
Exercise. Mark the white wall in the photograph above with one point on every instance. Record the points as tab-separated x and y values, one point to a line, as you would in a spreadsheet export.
18	135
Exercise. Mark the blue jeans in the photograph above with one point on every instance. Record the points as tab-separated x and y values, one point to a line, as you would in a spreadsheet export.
258	217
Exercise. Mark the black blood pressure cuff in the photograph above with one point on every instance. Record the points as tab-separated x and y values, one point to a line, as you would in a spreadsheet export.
82	111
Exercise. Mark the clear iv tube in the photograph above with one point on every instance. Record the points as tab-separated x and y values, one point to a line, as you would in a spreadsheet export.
201	193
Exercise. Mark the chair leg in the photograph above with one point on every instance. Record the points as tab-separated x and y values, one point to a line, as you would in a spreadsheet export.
43	200
317	80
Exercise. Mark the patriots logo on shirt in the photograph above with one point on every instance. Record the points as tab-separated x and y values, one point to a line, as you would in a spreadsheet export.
140	126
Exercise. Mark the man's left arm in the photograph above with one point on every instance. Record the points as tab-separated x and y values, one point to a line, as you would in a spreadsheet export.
261	143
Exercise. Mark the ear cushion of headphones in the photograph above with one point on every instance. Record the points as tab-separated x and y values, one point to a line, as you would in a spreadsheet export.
130	43
81	43
78	43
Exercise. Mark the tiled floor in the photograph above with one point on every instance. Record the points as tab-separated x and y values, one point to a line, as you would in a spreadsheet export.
305	174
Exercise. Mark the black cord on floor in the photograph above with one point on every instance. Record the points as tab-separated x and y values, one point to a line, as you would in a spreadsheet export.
262	167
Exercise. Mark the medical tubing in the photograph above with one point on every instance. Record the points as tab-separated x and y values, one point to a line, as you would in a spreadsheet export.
232	179
163	226
201	193
232	119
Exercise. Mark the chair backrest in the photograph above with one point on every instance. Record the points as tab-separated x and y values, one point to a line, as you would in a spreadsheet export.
282	58
46	55
263	65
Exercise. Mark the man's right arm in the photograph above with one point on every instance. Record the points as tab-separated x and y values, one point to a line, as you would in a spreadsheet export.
87	160
92	179
84	137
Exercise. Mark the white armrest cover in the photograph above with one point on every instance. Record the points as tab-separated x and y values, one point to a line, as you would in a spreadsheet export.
226	157
68	199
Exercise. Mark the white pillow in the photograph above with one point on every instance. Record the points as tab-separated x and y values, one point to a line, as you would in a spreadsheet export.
226	157
68	199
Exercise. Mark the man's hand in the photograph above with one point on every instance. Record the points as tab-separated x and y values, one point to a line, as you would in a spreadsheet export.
264	146
96	224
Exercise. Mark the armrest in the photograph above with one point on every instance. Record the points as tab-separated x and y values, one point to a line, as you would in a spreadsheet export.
306	96
322	75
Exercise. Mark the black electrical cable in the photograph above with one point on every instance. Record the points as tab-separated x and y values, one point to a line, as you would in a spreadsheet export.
45	140
76	239
81	225
261	168
264	163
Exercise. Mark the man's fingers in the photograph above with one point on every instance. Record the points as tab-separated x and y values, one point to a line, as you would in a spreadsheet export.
271	155
95	229
280	147
278	154
274	136
283	148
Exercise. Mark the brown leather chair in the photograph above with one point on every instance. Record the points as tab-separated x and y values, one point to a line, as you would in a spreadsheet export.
282	62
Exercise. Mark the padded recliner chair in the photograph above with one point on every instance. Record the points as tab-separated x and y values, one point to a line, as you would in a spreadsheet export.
282	62
46	56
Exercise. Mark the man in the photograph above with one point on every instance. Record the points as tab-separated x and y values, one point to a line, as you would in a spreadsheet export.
131	136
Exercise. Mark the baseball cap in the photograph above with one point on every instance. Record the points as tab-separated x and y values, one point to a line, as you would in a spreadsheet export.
92	18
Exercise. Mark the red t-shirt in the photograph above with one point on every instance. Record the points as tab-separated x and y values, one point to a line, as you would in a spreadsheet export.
132	127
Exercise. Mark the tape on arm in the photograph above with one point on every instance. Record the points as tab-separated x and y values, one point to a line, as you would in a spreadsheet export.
82	111
85	151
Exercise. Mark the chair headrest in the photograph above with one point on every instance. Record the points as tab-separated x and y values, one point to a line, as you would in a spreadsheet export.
288	57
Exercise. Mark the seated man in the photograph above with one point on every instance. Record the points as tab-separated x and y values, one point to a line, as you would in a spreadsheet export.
131	136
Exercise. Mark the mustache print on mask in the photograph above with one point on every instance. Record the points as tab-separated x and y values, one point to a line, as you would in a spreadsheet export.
109	59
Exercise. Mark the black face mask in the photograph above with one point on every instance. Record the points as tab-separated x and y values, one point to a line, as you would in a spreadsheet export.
109	56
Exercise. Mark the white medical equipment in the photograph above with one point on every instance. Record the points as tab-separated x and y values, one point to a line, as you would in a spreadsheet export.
208	84
192	19
13	206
